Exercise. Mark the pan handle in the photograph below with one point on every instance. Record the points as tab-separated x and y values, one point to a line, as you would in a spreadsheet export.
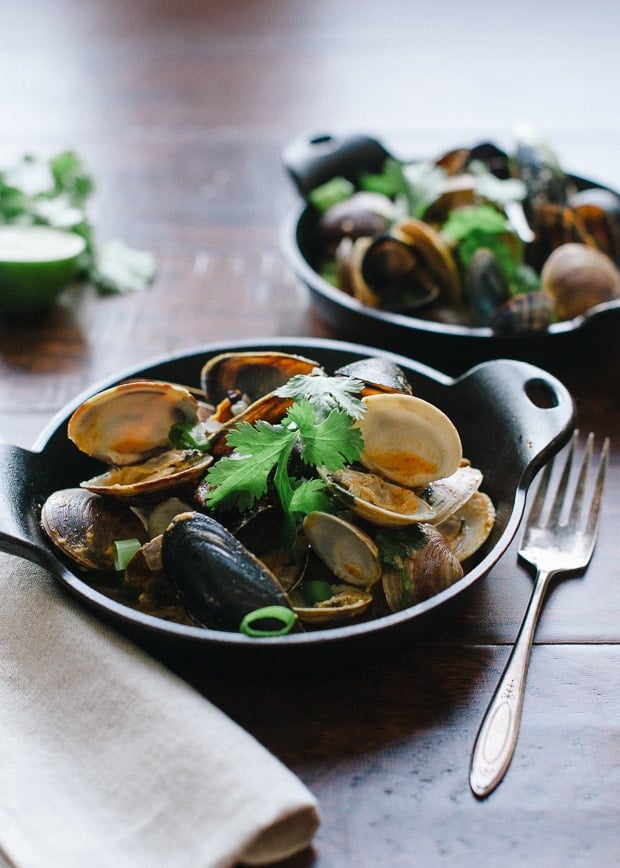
546	412
21	473
311	161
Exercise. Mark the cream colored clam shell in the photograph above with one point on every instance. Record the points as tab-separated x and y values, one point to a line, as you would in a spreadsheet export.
408	440
469	527
126	423
347	550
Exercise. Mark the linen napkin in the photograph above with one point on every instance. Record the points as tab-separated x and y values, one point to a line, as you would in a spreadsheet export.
108	759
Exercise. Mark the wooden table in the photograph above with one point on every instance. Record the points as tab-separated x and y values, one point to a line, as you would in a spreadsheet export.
181	110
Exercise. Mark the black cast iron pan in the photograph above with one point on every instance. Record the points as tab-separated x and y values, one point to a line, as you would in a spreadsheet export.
511	417
313	160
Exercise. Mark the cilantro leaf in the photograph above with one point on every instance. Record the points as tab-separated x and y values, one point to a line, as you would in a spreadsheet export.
326	393
396	544
309	496
332	442
262	451
242	478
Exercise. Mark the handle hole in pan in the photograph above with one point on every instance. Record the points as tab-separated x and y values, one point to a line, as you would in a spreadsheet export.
541	393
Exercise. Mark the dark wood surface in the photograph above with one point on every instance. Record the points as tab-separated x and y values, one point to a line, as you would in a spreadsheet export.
181	110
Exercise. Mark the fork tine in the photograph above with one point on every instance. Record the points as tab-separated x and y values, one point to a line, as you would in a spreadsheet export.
595	508
575	512
541	493
558	501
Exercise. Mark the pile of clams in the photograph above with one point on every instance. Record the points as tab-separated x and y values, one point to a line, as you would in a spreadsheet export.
475	237
399	525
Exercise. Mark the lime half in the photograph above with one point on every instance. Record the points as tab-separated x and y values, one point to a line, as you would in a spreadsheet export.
36	263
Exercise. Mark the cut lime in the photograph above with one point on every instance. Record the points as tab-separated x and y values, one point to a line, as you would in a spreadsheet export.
36	263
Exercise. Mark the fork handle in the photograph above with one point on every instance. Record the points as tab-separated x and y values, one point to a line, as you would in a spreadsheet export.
499	730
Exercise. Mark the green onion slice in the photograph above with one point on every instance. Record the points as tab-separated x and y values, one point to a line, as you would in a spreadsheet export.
330	193
285	617
125	549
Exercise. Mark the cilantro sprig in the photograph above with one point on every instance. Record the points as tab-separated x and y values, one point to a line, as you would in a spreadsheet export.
315	427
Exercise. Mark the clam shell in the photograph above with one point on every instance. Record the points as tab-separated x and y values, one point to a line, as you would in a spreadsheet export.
408	440
126	423
345	549
469	527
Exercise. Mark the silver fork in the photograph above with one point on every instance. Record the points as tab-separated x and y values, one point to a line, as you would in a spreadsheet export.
562	543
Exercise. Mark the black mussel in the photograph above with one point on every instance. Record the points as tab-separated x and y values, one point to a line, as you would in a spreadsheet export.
486	285
378	374
495	159
538	167
411	267
218	579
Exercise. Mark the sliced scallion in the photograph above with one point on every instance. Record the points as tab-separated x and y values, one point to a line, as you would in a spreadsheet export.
284	621
125	549
330	193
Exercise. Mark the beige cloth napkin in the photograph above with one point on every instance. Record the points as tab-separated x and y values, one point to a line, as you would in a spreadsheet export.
108	759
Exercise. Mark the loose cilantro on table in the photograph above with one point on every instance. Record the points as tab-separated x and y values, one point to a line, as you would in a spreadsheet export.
315	427
55	192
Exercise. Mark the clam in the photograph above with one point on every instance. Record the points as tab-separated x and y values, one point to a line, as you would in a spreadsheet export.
554	225
424	572
344	603
408	443
85	526
407	440
469	527
577	278
250	374
127	423
446	496
348	551
365	213
524	313
376	500
349	256
128	427
218	579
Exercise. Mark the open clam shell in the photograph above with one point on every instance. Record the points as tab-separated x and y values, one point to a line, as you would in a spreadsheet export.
129	422
407	440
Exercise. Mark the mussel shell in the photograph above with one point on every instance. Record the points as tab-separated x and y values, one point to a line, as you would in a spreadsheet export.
218	579
486	285
85	526
395	273
378	373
